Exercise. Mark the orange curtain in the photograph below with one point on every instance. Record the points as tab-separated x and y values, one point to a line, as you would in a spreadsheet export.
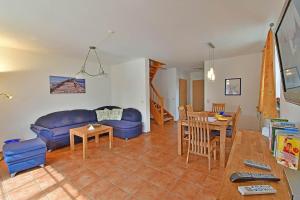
267	97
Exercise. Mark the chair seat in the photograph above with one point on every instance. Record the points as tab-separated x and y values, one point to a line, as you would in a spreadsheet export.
216	133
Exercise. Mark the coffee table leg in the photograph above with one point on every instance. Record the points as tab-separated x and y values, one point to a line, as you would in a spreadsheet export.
72	141
97	138
84	146
110	137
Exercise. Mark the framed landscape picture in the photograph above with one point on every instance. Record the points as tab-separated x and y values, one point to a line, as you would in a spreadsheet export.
233	87
66	85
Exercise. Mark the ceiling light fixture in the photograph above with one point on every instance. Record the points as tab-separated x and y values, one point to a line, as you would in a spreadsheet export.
6	95
83	71
211	74
100	72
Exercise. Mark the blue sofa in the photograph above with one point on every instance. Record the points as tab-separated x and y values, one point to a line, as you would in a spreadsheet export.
54	128
129	126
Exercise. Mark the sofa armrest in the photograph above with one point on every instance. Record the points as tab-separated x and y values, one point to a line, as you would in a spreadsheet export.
132	114
38	129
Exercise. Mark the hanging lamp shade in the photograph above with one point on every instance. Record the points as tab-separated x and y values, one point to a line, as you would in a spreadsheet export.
211	73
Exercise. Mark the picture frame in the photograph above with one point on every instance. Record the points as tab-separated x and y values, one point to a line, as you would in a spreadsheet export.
233	87
66	85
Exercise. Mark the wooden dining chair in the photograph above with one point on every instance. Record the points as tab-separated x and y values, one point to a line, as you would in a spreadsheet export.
231	130
235	122
218	107
200	140
189	108
183	116
182	113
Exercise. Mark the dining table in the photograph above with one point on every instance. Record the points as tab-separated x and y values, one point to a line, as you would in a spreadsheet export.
220	125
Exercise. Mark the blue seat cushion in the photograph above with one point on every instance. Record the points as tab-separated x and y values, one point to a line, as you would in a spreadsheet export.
23	147
217	133
121	124
16	158
65	130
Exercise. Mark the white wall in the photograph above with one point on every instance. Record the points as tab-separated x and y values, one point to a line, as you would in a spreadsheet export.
290	111
25	75
130	87
246	67
165	83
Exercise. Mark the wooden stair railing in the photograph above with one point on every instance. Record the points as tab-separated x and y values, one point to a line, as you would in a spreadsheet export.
157	109
157	105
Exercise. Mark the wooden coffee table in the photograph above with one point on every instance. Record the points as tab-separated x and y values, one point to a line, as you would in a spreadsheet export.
84	133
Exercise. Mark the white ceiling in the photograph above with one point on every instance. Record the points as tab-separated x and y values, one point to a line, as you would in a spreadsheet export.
172	31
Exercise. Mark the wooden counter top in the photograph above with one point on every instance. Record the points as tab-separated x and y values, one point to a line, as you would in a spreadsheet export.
252	145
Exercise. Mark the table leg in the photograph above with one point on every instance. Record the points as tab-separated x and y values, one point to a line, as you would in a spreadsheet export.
110	133
97	138
222	146
72	141
179	137
84	147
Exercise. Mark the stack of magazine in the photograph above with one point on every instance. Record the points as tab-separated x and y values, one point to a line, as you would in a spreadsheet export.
284	140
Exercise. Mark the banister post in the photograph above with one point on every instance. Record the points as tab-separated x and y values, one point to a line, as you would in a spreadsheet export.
162	109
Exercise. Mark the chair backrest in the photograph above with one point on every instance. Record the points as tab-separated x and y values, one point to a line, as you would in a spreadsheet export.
236	121
189	108
199	133
218	107
182	113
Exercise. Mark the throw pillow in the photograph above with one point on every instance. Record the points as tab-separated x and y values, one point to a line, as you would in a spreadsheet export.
103	114
116	114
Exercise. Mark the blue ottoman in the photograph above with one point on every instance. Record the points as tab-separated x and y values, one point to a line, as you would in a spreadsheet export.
23	155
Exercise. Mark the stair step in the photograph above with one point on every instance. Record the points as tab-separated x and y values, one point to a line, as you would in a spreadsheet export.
168	119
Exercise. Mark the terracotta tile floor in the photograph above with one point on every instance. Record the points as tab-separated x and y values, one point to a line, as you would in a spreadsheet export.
146	167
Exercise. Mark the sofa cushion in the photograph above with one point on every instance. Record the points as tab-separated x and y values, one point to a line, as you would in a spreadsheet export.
58	132
103	114
116	114
132	114
23	147
122	124
65	118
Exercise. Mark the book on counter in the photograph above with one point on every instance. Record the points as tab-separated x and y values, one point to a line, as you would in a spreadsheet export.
280	124
287	148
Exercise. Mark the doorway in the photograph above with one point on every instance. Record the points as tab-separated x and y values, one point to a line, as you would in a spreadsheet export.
182	92
198	95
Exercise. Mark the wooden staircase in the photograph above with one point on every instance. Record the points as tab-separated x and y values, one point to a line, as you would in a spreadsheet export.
157	109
